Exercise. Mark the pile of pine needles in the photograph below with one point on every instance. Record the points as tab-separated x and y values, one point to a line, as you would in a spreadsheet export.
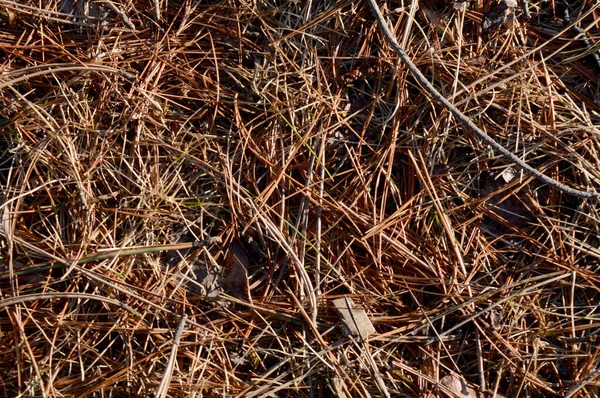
188	185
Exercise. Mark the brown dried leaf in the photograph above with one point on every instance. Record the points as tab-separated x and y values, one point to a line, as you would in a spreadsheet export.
236	264
458	386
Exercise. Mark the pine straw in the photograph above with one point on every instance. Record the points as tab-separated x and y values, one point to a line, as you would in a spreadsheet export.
294	123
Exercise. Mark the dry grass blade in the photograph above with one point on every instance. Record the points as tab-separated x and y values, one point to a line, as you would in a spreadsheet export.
187	189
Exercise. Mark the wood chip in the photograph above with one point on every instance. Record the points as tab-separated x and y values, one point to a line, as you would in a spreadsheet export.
354	318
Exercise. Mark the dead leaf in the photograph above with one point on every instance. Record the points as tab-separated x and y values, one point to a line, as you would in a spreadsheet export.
209	282
498	16
458	386
236	264
206	281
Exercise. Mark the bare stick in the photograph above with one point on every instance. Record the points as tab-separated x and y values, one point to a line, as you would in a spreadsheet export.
157	10
121	13
163	387
464	119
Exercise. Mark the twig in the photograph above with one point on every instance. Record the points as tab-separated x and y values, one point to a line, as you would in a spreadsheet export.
66	68
157	10
103	255
464	119
121	14
8	301
589	379
163	388
100	279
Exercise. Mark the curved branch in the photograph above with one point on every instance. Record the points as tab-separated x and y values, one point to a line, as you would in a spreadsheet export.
464	119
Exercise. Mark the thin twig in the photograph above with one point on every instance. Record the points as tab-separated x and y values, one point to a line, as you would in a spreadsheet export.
464	119
121	14
69	68
157	10
163	388
6	302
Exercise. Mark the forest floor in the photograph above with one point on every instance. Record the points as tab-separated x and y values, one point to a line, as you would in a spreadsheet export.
260	198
